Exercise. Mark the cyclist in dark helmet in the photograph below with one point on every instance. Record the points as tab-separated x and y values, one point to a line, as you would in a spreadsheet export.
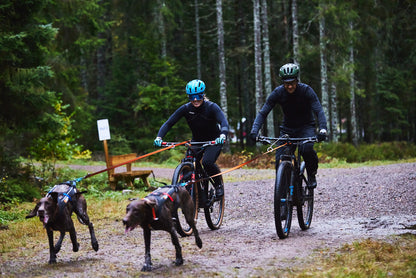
299	103
207	123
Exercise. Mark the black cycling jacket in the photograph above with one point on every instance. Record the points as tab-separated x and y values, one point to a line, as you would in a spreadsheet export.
298	108
203	121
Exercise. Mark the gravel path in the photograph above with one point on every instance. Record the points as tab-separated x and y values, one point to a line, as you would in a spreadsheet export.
350	204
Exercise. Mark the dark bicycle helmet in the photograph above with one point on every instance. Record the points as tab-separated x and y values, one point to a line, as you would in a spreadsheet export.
289	72
195	86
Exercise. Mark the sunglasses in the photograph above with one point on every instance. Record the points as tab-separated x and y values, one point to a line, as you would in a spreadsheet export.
290	83
196	96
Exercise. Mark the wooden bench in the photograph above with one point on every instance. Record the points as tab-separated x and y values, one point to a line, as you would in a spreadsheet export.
114	176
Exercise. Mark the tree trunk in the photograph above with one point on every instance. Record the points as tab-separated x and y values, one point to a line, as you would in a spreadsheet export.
257	56
198	41
83	71
221	57
354	130
266	59
162	32
246	115
334	125
286	25
295	34
324	74
102	60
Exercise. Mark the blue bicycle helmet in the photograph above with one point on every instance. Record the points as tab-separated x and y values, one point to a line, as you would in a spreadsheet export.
195	87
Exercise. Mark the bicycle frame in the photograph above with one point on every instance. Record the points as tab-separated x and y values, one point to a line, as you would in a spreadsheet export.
199	174
293	156
289	191
199	185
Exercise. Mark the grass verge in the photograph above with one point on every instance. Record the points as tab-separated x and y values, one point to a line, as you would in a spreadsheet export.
395	257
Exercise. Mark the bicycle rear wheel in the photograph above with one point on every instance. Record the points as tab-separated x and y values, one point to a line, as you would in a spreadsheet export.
183	173
305	203
283	205
214	208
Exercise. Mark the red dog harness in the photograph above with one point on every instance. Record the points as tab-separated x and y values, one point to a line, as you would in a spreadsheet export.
161	197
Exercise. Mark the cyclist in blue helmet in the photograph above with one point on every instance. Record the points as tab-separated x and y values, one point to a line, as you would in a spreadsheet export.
207	123
300	105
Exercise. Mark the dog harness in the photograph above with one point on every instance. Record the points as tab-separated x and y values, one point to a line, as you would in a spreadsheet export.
66	196
161	195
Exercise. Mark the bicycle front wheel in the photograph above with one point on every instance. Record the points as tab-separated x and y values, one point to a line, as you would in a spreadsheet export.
214	208
183	173
283	205
305	203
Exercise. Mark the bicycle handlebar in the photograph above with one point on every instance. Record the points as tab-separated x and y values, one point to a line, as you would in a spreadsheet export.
287	139
202	144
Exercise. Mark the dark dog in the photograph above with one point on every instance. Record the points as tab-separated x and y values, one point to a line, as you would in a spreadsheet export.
156	211
55	211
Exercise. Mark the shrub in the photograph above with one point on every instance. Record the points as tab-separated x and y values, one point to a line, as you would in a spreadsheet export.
366	152
16	181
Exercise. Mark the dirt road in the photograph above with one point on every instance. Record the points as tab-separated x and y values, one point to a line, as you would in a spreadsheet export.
350	204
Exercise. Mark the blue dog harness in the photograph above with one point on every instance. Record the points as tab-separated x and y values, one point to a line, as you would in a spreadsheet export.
66	196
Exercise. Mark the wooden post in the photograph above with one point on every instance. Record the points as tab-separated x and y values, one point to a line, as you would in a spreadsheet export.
106	157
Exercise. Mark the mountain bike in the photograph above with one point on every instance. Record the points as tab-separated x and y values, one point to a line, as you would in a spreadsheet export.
291	187
200	186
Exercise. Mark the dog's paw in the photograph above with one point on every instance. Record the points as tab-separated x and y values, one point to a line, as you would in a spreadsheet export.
198	242
147	267
52	261
178	261
75	248
95	245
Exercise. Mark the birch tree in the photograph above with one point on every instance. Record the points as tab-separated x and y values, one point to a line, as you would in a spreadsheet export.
295	32
334	121
221	58
246	111
266	60
198	41
354	129
324	74
257	56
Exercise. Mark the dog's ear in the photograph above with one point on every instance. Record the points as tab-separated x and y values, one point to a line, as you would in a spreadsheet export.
34	211
54	196
151	203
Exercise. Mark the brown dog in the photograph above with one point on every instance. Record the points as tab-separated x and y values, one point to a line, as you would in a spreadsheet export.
156	211
55	211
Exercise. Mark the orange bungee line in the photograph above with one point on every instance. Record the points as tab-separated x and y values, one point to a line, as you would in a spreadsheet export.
134	159
170	147
238	166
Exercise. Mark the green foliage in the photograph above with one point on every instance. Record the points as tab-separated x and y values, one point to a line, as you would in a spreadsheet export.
7	216
106	59
155	103
119	144
16	181
16	190
365	152
171	157
57	140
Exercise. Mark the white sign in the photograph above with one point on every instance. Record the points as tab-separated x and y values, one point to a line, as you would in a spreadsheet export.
103	129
